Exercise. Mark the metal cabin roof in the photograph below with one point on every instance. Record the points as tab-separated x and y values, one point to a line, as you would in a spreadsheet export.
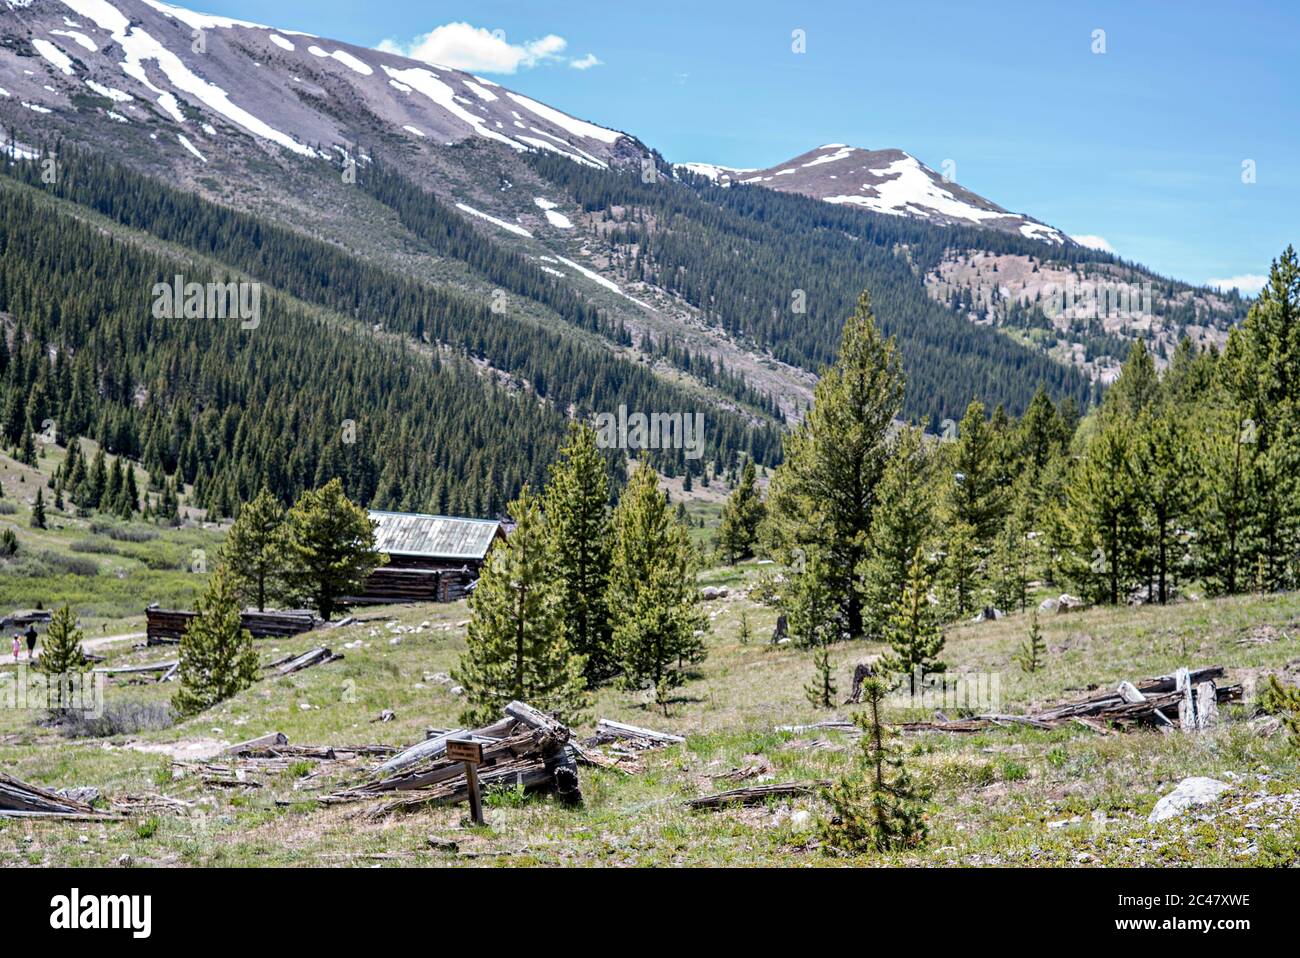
438	537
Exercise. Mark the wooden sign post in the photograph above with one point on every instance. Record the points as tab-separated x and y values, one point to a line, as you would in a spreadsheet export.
471	753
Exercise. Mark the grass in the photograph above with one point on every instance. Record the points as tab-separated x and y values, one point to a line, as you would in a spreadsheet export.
1008	796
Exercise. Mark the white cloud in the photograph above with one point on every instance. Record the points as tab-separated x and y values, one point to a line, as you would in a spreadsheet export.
1094	242
1248	283
587	62
463	46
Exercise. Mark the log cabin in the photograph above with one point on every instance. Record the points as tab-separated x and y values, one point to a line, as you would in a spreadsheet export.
430	558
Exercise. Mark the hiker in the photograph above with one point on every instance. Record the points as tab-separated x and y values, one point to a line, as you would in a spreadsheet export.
31	641
17	646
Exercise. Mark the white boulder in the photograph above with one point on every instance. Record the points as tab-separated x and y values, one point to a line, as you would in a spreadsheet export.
1190	793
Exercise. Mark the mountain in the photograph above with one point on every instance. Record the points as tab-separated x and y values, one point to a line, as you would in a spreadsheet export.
222	83
890	182
475	231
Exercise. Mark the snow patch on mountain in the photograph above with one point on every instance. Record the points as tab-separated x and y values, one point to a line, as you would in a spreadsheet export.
111	93
190	146
713	171
905	187
509	227
54	55
565	122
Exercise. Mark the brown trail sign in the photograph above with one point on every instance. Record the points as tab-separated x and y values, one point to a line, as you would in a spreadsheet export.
471	754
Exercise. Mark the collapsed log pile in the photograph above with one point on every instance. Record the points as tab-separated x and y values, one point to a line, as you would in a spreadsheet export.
166	626
525	748
21	800
1187	700
240	765
622	744
1159	701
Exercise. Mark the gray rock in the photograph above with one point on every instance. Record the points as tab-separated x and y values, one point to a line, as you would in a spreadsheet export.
1190	793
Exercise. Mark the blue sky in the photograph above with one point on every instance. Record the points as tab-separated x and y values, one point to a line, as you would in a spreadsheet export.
1142	145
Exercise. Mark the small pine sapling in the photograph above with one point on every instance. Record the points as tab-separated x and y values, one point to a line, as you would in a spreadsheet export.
1033	650
876	807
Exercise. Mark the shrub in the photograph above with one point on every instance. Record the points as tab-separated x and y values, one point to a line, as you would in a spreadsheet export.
97	546
119	718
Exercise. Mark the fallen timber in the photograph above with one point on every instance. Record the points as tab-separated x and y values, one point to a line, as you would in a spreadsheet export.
754	795
296	663
21	800
607	730
134	669
525	748
1187	700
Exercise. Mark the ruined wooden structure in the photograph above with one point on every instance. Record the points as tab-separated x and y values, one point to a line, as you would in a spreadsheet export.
166	626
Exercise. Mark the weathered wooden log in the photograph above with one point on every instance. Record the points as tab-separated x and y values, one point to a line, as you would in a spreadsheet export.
436	745
317	656
19	799
1207	705
254	744
831	726
607	730
131	669
755	795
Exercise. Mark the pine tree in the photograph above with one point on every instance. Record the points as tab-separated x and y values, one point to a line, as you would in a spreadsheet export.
962	572
652	593
217	659
903	523
824	493
1105	514
254	549
1033	650
1138	386
27	446
821	690
130	493
61	653
742	515
913	633
813	615
38	510
876	807
329	547
977	494
1012	553
98	482
1164	471
576	504
515	646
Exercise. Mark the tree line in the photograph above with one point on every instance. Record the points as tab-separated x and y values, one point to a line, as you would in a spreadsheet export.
1178	480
